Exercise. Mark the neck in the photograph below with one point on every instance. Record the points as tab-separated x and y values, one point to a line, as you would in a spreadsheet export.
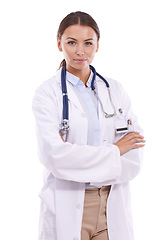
82	74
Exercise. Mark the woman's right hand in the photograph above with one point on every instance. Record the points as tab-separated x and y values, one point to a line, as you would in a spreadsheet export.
130	141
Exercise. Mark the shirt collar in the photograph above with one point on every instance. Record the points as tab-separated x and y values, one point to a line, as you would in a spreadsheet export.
75	80
89	80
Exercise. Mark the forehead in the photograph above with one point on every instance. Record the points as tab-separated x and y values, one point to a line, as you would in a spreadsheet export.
79	31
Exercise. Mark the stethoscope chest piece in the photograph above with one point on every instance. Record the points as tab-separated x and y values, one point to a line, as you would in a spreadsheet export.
64	126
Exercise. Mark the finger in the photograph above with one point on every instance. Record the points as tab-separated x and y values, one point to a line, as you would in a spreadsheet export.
138	146
132	134
135	136
61	137
137	140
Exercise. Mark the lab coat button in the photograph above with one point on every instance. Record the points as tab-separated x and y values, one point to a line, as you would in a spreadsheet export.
75	238
83	115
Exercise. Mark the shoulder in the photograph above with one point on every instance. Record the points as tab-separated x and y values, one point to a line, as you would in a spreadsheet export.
115	86
50	86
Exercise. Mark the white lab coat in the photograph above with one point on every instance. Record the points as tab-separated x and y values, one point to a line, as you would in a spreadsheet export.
70	165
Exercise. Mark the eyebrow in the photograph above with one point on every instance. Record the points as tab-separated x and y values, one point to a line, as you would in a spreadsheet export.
89	39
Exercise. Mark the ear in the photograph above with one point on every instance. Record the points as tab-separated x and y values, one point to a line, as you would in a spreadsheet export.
59	44
97	46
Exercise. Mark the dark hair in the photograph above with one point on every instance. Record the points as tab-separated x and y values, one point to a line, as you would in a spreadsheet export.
80	18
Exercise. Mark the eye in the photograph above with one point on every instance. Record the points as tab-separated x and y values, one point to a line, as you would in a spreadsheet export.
71	43
88	43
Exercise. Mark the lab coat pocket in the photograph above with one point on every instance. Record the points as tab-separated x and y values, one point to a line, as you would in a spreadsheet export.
47	196
47	227
50	234
123	124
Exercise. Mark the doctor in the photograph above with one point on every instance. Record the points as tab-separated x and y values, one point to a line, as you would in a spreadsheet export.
88	167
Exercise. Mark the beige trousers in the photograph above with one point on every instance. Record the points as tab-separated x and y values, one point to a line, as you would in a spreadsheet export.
94	223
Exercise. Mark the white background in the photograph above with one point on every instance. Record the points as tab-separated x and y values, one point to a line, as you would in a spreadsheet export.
129	52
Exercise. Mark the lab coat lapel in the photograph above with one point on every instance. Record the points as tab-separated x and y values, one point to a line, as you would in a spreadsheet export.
72	97
100	92
106	103
104	97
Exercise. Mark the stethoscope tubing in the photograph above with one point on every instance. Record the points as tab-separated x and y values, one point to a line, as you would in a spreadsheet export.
65	94
64	89
64	126
94	76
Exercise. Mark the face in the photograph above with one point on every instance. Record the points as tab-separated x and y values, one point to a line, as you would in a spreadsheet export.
79	45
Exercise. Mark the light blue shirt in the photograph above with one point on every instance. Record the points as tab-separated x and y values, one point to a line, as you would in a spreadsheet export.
89	104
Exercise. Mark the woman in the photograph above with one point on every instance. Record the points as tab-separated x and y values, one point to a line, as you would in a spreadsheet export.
91	158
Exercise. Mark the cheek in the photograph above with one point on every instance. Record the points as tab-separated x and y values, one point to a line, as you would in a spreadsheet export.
91	54
68	52
92	50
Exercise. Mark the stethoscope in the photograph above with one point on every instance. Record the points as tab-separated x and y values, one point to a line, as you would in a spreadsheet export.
64	126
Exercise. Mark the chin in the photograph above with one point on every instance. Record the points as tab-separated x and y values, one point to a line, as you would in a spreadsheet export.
80	66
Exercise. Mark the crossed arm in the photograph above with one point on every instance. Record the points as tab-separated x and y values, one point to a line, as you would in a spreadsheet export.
130	141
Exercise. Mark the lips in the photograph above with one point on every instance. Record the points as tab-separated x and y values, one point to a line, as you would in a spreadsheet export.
80	60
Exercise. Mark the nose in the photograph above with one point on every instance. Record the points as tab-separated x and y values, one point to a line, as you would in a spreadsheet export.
80	50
